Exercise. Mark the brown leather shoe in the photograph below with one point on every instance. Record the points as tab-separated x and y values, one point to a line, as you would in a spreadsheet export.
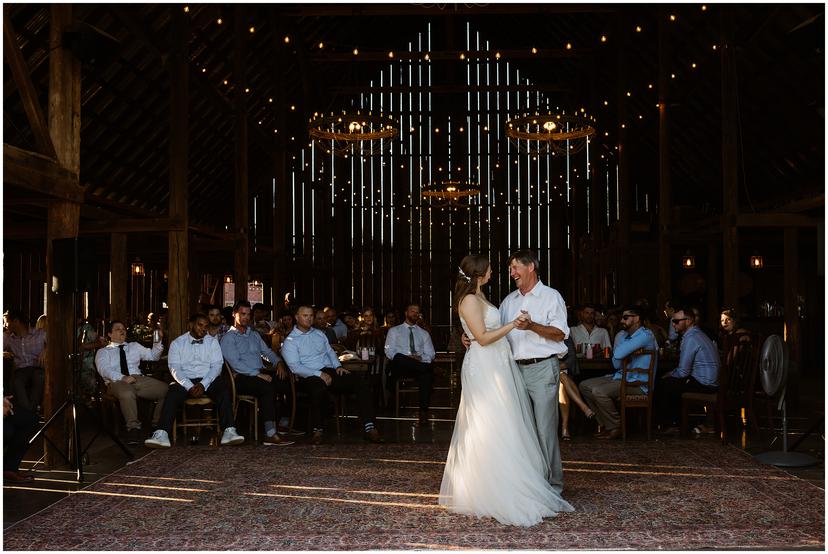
611	434
276	440
373	436
17	477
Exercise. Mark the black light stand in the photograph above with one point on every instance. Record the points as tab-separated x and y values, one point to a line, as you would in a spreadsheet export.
75	453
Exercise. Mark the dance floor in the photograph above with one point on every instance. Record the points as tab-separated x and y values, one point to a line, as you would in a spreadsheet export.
639	495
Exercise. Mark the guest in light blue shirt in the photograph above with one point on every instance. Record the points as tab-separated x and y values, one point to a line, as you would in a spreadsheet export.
310	357
601	393
697	370
243	349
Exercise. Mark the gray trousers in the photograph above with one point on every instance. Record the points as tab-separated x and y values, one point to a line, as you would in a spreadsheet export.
542	382
602	393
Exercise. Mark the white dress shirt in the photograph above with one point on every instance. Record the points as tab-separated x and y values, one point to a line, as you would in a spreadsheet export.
545	306
189	361
598	335
397	342
108	359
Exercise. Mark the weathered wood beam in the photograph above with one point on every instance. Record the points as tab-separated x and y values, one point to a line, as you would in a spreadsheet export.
178	297
64	128
153	225
41	174
28	94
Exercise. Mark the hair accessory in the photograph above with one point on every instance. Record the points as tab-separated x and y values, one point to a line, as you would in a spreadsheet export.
463	275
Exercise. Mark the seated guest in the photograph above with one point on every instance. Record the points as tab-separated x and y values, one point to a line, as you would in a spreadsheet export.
697	370
216	328
90	342
731	326
349	320
18	424
243	348
602	392
283	327
366	333
568	364
260	322
310	357
410	352
118	364
672	335
28	346
390	320
320	321
588	332
195	362
338	326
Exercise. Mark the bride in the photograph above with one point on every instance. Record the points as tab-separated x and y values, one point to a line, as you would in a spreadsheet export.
495	466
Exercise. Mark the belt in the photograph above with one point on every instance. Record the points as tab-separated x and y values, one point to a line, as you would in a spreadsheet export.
529	361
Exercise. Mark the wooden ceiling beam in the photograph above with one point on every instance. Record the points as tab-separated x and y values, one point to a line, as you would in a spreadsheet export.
39	173
378	10
776	220
28	94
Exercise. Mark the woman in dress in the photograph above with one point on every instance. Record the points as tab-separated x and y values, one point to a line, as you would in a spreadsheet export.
495	467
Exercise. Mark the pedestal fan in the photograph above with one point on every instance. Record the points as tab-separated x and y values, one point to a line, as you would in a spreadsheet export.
773	372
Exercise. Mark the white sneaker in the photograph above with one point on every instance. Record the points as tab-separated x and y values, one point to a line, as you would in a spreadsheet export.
230	437
159	439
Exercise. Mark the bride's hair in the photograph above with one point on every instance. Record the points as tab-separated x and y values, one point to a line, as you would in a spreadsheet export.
471	269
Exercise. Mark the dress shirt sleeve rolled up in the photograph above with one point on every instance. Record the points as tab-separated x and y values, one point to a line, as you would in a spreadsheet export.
629	345
293	359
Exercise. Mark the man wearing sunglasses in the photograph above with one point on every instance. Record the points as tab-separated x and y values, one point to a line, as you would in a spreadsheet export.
697	370
601	393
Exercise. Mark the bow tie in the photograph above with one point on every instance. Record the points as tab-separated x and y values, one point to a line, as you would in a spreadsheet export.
197	341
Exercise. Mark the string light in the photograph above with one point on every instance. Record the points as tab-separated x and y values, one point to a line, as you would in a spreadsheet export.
672	17
270	100
287	40
638	28
569	46
225	81
693	65
356	51
204	70
704	7
391	54
321	45
186	9
497	55
293	108
534	50
219	21
252	30
603	38
462	56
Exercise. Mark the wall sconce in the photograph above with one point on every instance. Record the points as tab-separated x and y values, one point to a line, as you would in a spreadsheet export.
228	278
137	268
688	261
756	262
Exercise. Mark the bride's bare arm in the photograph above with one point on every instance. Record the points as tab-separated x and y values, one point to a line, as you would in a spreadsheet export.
473	311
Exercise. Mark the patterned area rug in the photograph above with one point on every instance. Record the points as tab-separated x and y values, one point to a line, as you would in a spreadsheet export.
649	496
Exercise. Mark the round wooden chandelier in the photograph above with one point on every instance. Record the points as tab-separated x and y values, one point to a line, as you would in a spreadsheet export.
551	132
354	133
451	191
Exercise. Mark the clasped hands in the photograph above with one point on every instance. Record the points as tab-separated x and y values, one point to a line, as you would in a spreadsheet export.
523	321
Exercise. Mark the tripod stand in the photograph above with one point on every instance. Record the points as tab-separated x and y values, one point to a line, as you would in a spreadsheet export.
75	453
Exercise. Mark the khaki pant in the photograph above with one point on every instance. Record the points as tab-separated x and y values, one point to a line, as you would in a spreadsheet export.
602	393
128	394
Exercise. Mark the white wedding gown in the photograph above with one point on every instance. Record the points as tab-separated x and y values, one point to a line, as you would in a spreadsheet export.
495	466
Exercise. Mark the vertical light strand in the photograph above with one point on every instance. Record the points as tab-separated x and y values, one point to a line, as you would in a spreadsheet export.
508	169
608	197
518	159
490	197
617	196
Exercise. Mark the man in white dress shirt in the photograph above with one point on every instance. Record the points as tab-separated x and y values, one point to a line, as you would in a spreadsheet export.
587	332
195	363
118	364
410	352
536	343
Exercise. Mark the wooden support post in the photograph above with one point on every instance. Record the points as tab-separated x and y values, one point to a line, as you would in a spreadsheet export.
791	288
241	261
118	276
64	129
178	260
730	160
665	189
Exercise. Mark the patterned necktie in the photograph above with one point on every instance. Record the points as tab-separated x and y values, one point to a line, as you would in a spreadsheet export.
411	340
197	341
124	366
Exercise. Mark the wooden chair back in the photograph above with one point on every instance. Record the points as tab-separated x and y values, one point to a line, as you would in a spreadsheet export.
631	394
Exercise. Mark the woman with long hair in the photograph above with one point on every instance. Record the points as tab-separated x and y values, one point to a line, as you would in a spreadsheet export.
495	466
